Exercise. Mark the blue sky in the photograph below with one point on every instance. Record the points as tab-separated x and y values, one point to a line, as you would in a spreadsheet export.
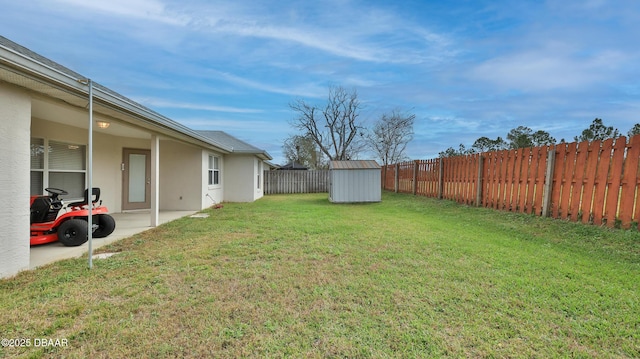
465	68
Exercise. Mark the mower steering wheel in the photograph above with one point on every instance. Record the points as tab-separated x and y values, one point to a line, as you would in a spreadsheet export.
56	191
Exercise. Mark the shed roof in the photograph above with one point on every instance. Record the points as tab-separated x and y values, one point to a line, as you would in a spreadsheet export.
354	165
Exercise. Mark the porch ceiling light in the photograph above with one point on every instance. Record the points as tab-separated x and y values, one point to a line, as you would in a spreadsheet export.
103	124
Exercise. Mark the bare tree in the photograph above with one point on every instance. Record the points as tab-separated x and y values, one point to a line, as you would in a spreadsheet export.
303	150
390	136
335	127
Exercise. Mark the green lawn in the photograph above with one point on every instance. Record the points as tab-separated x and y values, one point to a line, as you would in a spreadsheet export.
296	276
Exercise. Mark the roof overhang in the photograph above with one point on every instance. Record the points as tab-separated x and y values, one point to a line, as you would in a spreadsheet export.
67	86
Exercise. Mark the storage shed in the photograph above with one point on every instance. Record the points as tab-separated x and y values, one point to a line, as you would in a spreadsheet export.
354	181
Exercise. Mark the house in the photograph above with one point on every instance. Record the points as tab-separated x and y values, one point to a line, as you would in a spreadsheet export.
142	160
243	180
293	166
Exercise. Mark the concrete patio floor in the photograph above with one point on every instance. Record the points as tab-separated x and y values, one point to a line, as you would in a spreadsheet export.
127	224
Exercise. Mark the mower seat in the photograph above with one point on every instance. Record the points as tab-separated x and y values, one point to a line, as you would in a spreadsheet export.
40	210
95	194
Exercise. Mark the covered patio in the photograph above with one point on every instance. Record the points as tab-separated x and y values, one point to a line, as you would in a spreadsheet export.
62	130
127	224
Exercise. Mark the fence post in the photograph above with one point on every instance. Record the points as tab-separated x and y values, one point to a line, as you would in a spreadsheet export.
415	177
397	178
548	182
479	183
440	177
384	177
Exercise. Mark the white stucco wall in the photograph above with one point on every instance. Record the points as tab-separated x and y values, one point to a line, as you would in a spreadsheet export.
241	179
180	169
15	122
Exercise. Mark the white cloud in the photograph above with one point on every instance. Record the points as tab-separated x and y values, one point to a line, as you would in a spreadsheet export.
253	127
152	10
548	69
365	34
156	102
298	90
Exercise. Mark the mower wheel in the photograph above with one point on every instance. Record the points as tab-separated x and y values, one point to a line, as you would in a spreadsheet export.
106	225
73	232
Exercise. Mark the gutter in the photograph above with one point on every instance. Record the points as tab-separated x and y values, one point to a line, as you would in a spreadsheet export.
14	61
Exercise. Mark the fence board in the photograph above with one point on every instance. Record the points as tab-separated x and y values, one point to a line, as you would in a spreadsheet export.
602	175
543	159
406	177
428	178
615	176
521	178
472	179
503	179
577	181
567	177
508	188
629	181
446	169
455	178
586	206
635	142
490	170
558	169
532	177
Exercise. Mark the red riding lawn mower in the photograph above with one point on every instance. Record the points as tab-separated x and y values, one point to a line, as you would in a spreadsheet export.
70	228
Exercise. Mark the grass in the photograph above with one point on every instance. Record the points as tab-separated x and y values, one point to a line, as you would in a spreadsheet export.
296	276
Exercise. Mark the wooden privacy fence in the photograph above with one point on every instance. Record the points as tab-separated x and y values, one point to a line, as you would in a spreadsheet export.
296	181
590	182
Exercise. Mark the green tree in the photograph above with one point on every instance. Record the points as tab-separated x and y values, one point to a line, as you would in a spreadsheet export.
597	131
542	138
451	152
522	137
303	150
635	130
485	144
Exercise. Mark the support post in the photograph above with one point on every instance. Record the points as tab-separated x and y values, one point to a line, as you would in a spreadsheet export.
548	182
397	178
154	180
90	175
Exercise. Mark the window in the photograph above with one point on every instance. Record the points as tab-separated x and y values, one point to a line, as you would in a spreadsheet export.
214	170
58	164
259	173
